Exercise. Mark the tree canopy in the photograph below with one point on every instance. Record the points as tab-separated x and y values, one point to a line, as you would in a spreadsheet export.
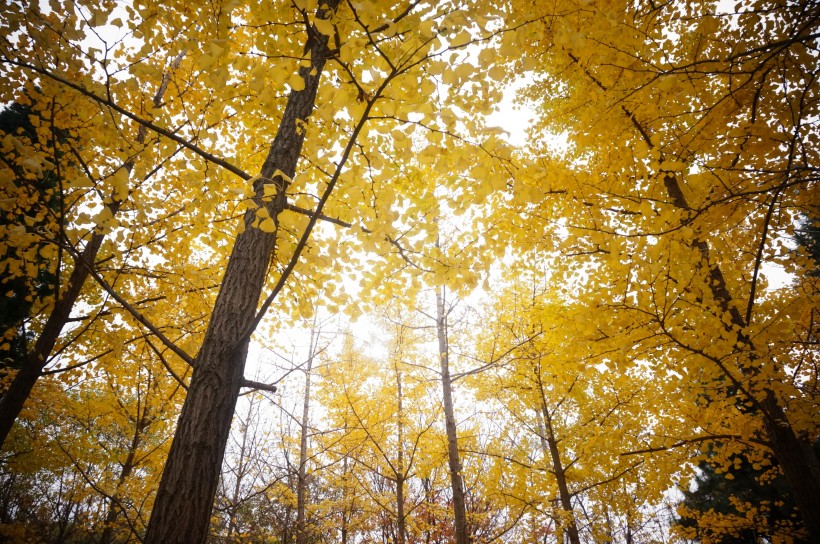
271	274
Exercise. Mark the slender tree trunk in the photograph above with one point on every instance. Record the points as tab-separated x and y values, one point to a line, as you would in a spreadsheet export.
347	510
401	523
567	521
114	509
185	497
20	388
301	480
453	458
241	469
629	537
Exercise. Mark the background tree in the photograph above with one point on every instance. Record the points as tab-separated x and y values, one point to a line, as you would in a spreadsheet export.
232	168
676	224
23	291
103	441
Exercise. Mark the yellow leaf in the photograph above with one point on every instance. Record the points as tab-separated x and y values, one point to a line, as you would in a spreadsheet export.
672	166
98	18
296	82
323	26
269	190
103	216
267	225
120	182
461	39
497	72
486	57
388	107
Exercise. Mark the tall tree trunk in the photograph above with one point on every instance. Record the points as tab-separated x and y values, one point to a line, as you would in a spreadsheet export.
241	469
114	508
401	523
550	444
20	388
796	457
347	509
453	458
185	497
301	480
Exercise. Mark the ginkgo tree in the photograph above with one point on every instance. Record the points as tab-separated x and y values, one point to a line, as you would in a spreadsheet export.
273	96
188	169
107	435
386	446
572	425
714	112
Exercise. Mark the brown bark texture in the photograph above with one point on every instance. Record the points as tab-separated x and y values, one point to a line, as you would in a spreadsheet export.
185	497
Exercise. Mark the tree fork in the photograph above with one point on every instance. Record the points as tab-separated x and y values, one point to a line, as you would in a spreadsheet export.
549	444
184	501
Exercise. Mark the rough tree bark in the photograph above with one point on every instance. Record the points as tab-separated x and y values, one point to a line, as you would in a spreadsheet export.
185	497
453	458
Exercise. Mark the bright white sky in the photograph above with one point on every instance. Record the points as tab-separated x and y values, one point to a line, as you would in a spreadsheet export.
513	118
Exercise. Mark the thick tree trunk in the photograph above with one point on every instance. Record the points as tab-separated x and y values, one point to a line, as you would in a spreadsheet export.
453	458
798	463
185	497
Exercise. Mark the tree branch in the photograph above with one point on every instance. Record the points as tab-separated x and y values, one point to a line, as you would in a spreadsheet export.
143	122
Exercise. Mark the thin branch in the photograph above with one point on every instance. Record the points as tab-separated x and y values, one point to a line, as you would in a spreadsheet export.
143	122
167	366
131	310
697	440
300	246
